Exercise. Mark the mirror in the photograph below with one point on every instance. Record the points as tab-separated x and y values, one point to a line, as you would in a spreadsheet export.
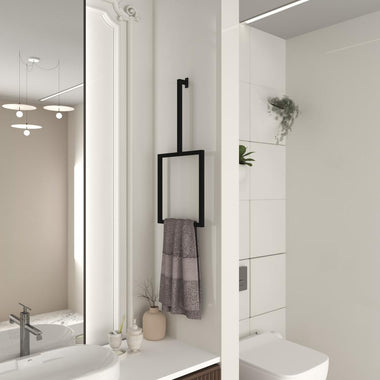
41	170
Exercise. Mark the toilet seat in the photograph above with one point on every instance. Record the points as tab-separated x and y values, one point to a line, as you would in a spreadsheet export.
281	359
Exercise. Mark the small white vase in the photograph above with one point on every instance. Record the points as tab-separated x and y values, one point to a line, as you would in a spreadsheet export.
134	337
114	340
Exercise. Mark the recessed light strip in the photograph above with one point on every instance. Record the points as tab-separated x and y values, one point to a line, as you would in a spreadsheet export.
274	11
62	92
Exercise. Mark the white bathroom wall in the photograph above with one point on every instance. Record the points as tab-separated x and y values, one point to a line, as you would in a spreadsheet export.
75	210
333	203
262	187
186	46
33	209
199	40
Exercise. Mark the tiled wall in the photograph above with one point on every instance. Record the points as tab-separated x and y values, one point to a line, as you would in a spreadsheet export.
262	187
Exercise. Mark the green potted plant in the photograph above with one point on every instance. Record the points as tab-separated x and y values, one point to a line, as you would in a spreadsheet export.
286	110
244	161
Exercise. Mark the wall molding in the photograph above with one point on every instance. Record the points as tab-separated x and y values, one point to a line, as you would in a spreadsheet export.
117	251
125	11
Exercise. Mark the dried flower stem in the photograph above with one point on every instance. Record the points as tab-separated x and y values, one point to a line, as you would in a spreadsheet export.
148	293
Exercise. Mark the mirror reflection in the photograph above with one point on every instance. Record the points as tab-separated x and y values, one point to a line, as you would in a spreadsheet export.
41	171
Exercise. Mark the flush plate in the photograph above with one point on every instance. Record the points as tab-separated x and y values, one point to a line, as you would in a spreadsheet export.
243	278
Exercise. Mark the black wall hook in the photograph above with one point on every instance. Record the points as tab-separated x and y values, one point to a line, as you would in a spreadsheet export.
200	153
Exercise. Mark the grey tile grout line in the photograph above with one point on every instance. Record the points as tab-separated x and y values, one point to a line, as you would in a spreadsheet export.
264	199
260	85
263	256
259	315
272	254
262	142
267	312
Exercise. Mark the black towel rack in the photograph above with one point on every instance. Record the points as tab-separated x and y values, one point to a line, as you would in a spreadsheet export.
201	160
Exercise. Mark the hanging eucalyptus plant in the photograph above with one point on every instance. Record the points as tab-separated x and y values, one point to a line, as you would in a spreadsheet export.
287	111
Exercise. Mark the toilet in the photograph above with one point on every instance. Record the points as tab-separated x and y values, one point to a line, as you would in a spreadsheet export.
268	356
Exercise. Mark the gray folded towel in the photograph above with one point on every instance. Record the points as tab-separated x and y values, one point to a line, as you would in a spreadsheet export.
179	286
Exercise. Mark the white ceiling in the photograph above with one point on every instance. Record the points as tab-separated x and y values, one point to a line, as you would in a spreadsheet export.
51	30
313	15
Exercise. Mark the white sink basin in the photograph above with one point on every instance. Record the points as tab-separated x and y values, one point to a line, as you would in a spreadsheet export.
53	336
74	362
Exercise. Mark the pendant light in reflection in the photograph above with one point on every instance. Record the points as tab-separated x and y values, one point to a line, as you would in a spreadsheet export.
27	127
19	107
59	108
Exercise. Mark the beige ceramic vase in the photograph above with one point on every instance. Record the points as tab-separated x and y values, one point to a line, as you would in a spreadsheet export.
154	324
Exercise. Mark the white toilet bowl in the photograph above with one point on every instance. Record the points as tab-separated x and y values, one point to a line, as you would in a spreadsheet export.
269	357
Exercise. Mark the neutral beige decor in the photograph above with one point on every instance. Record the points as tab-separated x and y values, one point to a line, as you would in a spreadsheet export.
154	324
134	337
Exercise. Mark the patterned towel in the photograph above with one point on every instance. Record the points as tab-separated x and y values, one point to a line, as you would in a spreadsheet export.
179	287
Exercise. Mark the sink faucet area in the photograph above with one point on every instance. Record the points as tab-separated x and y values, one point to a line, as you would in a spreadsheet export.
16	342
74	362
25	329
52	355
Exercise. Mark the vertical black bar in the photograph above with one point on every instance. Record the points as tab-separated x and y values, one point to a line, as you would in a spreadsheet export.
180	83
201	188
159	190
179	115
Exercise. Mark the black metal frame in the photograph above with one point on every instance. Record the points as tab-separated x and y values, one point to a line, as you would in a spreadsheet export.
201	161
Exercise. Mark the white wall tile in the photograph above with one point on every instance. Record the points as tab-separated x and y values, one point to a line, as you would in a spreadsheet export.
244	177
244	328
268	60
267	227
273	321
262	64
268	172
267	284
264	126
244	230
244	38
244	115
244	296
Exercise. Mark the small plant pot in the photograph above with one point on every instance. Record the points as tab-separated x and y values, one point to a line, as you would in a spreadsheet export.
114	340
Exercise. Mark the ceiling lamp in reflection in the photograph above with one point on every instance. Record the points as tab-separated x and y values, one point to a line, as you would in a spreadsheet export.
26	127
59	110
19	108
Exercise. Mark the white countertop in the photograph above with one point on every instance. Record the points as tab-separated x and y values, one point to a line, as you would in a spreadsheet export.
164	360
